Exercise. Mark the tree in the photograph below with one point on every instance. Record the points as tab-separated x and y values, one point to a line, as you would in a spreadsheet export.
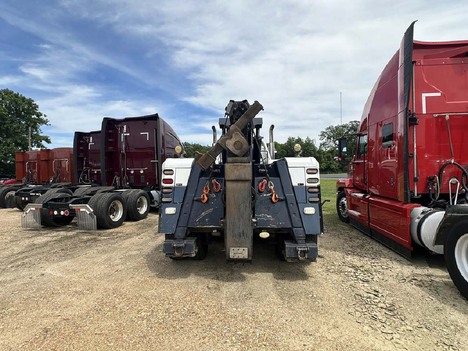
192	149
19	116
308	148
329	145
329	137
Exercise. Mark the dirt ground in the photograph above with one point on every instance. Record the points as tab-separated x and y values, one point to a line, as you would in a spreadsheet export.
66	289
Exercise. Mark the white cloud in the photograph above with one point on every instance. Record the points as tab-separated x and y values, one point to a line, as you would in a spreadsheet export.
294	56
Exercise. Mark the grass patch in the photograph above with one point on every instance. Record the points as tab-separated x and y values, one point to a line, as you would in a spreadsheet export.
328	192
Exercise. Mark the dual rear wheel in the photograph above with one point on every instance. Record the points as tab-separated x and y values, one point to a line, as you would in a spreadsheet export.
111	209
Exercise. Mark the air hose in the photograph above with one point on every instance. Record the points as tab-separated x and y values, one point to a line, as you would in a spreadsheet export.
464	173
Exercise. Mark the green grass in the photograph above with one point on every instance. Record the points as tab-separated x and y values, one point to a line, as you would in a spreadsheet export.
328	192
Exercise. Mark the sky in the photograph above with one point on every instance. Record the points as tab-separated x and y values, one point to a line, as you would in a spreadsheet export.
82	60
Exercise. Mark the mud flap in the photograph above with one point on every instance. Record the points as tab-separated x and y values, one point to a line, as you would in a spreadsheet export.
86	217
31	217
180	248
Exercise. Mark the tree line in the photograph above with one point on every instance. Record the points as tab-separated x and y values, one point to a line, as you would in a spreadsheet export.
325	152
21	122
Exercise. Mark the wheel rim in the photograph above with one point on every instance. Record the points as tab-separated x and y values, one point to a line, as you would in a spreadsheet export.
343	207
142	204
115	210
461	255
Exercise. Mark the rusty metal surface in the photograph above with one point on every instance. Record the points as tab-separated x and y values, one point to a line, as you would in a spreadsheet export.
209	157
238	220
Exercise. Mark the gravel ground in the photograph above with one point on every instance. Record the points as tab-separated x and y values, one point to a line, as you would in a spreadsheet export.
66	289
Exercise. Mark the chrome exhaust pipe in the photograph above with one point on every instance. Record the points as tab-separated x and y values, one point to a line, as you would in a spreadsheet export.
215	134
271	145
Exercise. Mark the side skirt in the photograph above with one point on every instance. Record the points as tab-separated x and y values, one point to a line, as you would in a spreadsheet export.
399	249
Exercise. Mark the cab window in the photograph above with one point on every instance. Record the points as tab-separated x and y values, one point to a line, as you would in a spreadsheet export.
362	146
387	135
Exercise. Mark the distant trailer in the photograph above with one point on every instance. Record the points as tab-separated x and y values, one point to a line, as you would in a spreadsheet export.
37	169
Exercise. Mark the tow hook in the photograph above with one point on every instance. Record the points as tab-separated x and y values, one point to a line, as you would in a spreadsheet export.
178	249
302	253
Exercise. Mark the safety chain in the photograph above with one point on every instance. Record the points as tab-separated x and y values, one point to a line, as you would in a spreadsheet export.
263	184
215	185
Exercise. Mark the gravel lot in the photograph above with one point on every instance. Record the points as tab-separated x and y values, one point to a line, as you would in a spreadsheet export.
66	289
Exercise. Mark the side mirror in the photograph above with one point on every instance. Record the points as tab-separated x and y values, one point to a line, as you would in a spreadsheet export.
342	148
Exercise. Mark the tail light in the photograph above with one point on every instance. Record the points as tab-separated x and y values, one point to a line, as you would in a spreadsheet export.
312	171
168	184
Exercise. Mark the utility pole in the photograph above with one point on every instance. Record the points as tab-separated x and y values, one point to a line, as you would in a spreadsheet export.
29	139
341	107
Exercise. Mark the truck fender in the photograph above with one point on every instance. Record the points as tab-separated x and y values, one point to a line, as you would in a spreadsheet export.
456	256
453	215
453	234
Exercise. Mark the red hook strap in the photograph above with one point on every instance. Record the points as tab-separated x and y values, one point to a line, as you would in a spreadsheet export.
204	196
216	186
274	195
262	185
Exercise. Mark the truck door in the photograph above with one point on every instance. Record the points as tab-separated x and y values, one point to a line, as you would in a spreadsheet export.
360	164
387	163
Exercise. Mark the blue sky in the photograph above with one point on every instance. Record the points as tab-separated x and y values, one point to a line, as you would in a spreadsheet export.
81	60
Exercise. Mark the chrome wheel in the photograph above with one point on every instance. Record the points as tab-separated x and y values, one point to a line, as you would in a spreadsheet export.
142	204
116	210
343	207
461	255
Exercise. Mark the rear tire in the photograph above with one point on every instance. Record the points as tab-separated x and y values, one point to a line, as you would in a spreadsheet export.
59	191
109	208
10	199
202	249
138	204
456	256
81	191
342	206
5	193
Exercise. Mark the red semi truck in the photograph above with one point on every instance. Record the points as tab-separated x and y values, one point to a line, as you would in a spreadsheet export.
407	184
117	175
